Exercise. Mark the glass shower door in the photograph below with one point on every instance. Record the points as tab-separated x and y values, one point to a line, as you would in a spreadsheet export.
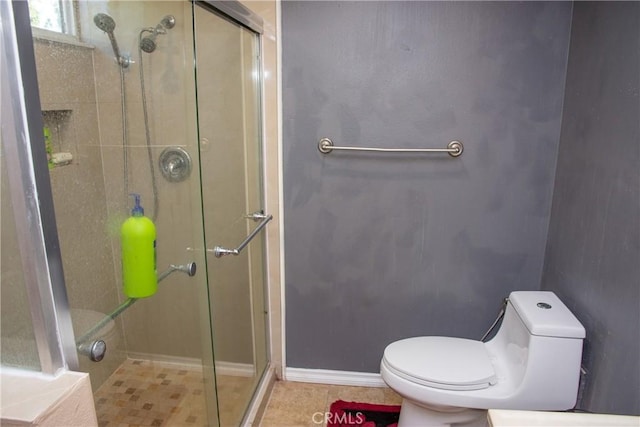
120	118
228	98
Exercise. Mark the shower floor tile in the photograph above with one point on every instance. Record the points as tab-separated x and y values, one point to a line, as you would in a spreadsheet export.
151	393
148	393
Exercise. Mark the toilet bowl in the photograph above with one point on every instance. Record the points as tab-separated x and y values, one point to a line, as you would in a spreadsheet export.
532	363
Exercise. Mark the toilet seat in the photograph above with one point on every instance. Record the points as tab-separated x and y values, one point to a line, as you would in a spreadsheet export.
441	362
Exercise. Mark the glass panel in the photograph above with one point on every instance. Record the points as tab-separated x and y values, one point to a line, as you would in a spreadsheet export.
104	144
18	340
229	116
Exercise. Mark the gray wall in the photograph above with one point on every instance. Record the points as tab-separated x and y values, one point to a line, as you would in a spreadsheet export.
384	247
592	258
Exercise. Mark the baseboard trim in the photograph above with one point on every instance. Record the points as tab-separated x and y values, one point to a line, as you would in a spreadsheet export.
188	362
327	376
223	368
235	369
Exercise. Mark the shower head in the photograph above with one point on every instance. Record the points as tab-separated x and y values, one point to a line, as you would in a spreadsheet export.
104	22
107	24
148	43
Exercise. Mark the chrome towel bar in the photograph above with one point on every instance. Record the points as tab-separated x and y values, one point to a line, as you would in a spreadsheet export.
454	148
219	251
96	349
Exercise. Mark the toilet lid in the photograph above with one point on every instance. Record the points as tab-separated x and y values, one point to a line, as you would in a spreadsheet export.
442	362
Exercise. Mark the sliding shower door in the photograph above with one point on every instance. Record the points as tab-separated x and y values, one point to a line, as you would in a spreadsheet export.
124	111
228	98
117	92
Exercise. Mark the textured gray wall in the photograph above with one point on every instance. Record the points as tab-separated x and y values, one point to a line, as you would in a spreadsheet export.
384	247
593	252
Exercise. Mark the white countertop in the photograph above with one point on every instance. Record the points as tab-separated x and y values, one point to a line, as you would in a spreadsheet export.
503	418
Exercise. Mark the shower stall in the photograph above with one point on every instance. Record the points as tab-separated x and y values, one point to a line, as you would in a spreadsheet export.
160	99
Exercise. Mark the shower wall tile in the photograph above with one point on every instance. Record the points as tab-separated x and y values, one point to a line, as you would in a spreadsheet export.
174	310
167	323
110	119
129	19
85	124
169	84
59	64
81	222
68	94
176	125
136	134
112	161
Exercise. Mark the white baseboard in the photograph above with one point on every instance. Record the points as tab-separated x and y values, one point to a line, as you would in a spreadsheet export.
223	368
327	376
187	362
235	369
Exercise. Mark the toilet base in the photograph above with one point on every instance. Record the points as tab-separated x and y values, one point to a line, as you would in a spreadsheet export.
413	415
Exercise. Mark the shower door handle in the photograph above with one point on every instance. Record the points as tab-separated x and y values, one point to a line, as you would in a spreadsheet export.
219	251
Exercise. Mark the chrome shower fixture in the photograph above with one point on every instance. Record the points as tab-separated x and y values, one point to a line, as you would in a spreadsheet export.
175	164
107	24
148	43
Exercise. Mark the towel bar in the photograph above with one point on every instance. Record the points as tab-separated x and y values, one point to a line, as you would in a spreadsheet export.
454	148
219	251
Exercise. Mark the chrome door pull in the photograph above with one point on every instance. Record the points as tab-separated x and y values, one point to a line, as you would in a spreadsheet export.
219	251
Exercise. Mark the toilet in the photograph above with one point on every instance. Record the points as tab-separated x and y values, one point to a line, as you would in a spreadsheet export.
532	363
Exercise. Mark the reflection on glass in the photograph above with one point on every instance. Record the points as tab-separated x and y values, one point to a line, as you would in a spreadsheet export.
99	118
18	340
113	100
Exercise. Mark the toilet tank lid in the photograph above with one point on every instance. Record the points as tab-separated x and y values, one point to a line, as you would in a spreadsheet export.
545	315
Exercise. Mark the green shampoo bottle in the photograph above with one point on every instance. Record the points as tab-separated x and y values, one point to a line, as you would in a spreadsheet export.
138	239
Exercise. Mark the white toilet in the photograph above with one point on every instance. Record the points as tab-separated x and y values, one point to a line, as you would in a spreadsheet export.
532	363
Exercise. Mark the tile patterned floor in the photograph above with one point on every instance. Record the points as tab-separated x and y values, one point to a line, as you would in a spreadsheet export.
234	394
145	393
302	405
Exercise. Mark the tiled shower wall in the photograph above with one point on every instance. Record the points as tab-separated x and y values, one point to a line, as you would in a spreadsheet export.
71	113
81	80
80	93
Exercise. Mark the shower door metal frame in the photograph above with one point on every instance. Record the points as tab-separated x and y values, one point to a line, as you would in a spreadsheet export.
237	13
28	174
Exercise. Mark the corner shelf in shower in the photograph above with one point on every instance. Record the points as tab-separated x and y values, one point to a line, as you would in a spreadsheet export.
59	123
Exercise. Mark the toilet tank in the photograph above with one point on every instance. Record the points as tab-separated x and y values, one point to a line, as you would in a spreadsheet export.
545	315
540	344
